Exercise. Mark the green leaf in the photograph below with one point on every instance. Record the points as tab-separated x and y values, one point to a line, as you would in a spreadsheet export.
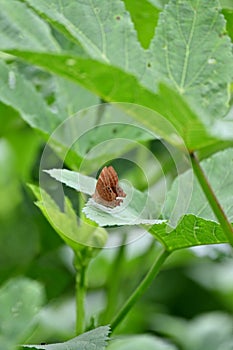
20	28
124	131
20	301
138	342
227	4
191	231
198	226
138	211
219	171
94	339
109	27
209	331
78	181
38	115
137	208
66	224
144	16
123	87
228	14
17	251
120	84
193	54
21	95
158	3
71	98
105	133
10	190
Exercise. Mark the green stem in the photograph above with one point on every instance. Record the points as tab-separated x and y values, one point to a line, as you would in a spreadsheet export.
154	270
80	299
212	199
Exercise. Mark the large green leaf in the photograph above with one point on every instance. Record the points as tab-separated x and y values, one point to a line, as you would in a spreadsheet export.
116	131
21	95
120	86
133	79
193	54
227	4
71	98
219	171
158	3
101	133
20	301
94	339
228	14
21	28
144	16
198	226
104	30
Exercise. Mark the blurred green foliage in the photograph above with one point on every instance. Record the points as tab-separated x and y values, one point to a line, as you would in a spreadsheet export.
189	306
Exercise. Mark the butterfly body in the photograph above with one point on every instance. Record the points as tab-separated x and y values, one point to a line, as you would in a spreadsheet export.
107	190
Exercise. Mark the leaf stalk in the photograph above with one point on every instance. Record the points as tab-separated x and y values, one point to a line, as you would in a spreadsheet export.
80	299
151	274
212	199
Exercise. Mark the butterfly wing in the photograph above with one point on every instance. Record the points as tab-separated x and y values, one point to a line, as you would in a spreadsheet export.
114	181
105	185
107	188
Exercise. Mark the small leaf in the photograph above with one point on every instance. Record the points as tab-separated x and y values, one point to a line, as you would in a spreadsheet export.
66	224
79	182
20	301
138	208
95	339
191	231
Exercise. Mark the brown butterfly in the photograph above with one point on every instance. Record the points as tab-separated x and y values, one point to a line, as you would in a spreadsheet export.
107	188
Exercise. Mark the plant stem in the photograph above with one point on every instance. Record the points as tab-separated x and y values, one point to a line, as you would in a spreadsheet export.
80	299
154	270
212	199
